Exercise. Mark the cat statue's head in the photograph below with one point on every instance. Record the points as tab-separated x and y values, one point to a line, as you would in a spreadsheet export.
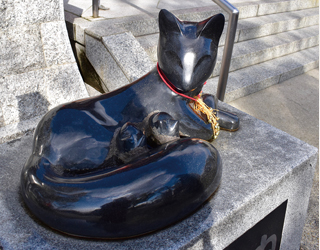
187	51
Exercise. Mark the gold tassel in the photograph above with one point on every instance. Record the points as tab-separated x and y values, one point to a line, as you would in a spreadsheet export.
200	106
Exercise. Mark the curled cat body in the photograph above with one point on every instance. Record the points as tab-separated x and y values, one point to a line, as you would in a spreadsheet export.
137	159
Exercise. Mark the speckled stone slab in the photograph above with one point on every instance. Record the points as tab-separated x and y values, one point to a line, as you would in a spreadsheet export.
104	64
37	67
128	53
262	168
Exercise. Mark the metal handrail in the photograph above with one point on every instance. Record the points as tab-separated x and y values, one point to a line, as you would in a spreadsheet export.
228	46
95	8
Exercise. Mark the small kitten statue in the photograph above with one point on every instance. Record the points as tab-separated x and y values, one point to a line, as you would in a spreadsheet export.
137	159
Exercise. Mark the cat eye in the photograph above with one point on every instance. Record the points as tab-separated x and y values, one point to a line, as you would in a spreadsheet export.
171	55
203	59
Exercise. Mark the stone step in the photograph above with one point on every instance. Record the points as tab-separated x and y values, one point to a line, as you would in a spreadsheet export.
247	8
262	49
146	23
260	76
251	28
255	51
131	50
276	23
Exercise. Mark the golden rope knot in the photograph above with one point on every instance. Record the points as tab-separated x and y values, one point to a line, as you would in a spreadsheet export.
210	113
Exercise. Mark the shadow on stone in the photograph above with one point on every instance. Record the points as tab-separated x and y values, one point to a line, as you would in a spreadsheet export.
31	105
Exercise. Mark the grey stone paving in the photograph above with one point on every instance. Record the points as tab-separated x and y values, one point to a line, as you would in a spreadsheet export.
293	106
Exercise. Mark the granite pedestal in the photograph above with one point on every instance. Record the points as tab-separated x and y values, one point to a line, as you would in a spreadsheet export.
263	168
38	70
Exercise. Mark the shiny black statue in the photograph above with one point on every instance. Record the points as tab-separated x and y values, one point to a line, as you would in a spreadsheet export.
136	159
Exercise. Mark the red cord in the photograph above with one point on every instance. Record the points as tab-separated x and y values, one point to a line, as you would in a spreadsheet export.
170	85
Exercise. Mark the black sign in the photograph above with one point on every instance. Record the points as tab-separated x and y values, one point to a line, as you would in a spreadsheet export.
265	235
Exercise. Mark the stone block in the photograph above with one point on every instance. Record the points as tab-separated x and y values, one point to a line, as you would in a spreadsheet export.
105	65
88	73
56	44
76	27
149	44
142	26
31	94
21	49
262	168
102	29
136	62
7	14
37	67
15	91
63	84
38	11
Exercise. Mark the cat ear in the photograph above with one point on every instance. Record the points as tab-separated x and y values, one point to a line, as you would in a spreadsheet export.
213	27
168	22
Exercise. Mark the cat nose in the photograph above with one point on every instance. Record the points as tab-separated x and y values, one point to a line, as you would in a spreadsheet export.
188	66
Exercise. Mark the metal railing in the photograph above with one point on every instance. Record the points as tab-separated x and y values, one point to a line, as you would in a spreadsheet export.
95	8
228	46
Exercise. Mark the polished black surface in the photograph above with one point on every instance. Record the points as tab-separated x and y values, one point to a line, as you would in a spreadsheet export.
120	164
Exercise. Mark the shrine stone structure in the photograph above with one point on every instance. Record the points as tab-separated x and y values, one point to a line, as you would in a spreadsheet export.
267	174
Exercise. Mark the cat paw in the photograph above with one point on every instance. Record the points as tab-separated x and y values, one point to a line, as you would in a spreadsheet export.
227	120
162	128
130	138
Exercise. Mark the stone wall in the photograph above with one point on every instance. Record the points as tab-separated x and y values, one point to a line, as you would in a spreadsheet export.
37	67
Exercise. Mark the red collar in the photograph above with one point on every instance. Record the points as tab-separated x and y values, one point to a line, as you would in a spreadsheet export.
170	85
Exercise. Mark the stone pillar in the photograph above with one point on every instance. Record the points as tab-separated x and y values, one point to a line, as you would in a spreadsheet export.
37	67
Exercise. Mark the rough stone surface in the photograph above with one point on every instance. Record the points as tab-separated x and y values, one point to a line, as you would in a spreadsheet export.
129	55
37	68
283	6
62	84
20	13
87	71
7	15
21	49
257	77
38	11
276	23
262	49
56	47
259	173
105	65
299	95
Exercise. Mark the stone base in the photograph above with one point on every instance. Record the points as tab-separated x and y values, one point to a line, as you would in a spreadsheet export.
263	167
38	70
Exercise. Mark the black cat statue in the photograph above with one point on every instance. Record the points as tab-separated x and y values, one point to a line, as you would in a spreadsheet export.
137	159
